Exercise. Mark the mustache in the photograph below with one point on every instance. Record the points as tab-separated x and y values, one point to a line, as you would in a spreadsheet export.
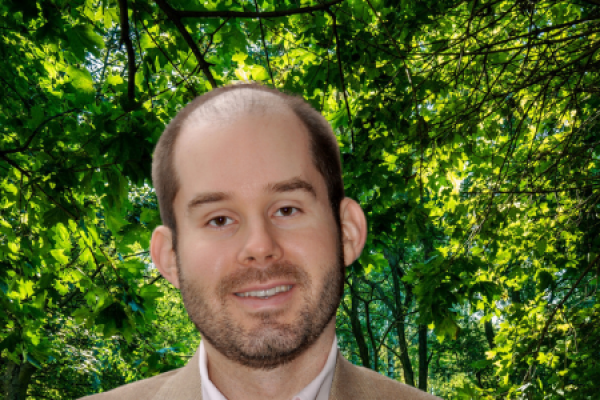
280	270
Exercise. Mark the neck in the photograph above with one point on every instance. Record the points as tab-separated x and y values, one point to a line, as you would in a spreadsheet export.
237	381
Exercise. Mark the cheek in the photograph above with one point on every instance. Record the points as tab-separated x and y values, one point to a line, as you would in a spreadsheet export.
314	248
203	262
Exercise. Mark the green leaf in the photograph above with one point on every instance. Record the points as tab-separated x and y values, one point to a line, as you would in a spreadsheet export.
114	80
33	361
28	8
59	256
11	188
541	246
481	364
259	73
54	216
10	342
13	247
239	57
544	280
146	42
150	292
81	79
25	288
37	116
149	215
82	38
62	234
115	221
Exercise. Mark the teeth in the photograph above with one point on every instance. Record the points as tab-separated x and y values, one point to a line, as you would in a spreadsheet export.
265	294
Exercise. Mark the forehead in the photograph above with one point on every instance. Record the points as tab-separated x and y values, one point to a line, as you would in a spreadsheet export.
230	105
242	153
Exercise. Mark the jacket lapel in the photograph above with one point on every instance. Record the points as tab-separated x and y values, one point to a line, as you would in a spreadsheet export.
183	385
347	383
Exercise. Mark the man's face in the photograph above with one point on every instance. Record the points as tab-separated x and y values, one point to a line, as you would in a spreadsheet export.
259	256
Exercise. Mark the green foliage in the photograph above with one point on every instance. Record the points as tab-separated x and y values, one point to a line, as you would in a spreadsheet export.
469	134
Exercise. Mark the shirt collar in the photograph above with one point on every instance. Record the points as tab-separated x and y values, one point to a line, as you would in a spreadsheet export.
318	389
209	390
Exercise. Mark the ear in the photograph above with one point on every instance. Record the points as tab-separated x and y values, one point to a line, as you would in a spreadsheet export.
354	229
163	254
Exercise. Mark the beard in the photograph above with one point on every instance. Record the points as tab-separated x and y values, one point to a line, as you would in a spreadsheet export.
270	343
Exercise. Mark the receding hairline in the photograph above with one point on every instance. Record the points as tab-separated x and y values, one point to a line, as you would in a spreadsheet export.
255	102
262	104
212	125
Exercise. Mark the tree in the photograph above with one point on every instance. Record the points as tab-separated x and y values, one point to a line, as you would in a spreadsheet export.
468	131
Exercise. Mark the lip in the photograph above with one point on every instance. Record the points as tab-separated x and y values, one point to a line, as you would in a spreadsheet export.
255	304
266	286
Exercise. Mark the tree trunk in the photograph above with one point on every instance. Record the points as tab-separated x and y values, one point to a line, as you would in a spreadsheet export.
16	380
423	361
390	361
489	334
407	369
357	332
371	338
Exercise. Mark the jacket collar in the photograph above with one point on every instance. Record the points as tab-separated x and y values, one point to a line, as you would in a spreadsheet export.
347	382
185	383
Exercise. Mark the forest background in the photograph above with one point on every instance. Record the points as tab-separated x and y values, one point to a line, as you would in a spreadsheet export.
469	133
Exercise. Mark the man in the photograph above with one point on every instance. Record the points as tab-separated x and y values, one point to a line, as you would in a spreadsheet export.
257	235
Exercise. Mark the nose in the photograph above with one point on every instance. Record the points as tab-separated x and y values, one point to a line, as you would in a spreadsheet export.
260	245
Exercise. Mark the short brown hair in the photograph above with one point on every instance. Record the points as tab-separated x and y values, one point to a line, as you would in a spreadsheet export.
323	146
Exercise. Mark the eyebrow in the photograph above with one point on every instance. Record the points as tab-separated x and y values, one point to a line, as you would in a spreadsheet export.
292	185
207	198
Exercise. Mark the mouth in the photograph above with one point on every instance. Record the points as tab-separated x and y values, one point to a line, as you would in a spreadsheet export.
265	293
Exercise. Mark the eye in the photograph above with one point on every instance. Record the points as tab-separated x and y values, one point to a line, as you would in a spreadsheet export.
286	211
220	221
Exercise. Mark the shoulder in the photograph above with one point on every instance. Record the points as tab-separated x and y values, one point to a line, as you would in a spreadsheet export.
182	383
144	389
351	381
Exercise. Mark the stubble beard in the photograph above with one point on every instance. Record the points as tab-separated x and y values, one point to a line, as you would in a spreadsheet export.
271	343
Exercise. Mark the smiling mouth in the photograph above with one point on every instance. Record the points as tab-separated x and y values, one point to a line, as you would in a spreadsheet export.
265	294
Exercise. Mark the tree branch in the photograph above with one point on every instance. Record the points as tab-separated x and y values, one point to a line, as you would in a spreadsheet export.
558	307
251	14
212	35
52	199
159	47
175	17
408	74
262	34
36	131
531	191
125	38
153	281
25	102
341	71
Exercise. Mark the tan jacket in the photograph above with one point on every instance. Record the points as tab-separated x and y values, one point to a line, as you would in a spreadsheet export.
349	382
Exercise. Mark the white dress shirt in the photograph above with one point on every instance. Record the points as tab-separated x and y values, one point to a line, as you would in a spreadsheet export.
318	389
